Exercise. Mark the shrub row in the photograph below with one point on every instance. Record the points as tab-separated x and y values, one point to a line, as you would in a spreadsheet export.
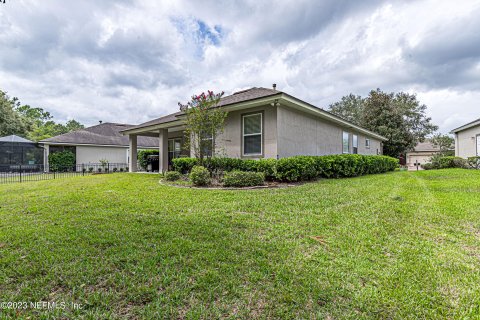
297	168
445	162
241	179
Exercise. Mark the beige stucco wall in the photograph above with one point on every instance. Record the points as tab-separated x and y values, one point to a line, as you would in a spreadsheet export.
229	143
466	142
92	154
420	157
303	134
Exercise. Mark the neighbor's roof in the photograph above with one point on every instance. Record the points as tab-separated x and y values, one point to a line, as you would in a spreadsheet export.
427	146
249	95
101	134
466	126
14	138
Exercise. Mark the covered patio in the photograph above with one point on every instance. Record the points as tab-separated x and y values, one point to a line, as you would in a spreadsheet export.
170	133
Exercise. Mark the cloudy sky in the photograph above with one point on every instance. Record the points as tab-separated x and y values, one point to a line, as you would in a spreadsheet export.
131	61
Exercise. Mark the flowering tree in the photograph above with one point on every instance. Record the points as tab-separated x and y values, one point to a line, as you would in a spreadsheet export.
204	122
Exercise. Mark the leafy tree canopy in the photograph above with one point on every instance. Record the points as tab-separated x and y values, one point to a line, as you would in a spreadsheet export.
29	122
445	143
400	117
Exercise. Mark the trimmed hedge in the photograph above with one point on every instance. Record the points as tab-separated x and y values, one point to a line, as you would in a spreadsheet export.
298	168
184	165
445	162
243	179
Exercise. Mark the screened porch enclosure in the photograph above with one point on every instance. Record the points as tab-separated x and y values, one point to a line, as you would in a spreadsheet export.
16	151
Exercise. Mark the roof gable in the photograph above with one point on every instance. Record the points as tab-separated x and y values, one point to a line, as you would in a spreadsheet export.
101	134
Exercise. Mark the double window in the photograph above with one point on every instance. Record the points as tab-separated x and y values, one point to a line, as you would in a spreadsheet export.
355	143
346	142
252	131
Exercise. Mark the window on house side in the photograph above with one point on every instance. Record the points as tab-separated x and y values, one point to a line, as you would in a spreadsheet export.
346	142
355	144
367	143
252	134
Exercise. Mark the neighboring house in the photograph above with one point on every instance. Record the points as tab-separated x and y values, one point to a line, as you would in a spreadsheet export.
422	153
467	139
90	145
16	151
263	123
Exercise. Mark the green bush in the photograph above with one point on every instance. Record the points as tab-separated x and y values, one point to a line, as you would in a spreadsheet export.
172	175
199	176
301	168
298	168
184	165
428	166
439	161
267	166
473	162
243	179
61	161
142	157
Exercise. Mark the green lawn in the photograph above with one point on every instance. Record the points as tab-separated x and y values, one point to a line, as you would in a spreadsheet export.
399	245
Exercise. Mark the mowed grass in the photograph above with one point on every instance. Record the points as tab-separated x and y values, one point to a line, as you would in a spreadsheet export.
393	246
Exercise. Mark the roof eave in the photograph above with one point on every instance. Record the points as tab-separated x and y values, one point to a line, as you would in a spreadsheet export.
328	116
466	126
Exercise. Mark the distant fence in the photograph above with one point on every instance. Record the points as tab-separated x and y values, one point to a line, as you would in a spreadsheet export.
37	172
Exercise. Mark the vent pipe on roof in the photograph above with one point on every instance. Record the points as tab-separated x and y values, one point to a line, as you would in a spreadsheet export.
274	86
100	121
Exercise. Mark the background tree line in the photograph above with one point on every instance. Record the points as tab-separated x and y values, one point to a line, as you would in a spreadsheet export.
31	123
399	117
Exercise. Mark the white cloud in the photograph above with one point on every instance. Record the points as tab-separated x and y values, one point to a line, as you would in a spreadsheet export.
130	61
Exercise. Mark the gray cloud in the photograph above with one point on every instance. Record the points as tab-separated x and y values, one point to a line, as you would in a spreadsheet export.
128	61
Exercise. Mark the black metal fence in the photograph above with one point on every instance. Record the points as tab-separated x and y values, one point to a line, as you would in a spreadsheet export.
37	172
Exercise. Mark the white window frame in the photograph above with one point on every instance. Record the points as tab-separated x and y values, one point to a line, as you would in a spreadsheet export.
343	139
252	134
353	143
367	143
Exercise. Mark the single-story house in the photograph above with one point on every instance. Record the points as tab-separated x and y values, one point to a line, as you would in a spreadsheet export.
262	123
92	144
421	154
467	139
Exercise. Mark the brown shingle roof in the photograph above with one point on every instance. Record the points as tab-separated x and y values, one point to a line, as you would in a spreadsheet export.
102	134
427	146
240	96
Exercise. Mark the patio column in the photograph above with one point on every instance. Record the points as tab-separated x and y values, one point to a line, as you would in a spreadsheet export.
46	152
132	153
163	150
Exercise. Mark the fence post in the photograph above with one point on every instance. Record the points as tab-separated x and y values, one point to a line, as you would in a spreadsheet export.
83	169
20	173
